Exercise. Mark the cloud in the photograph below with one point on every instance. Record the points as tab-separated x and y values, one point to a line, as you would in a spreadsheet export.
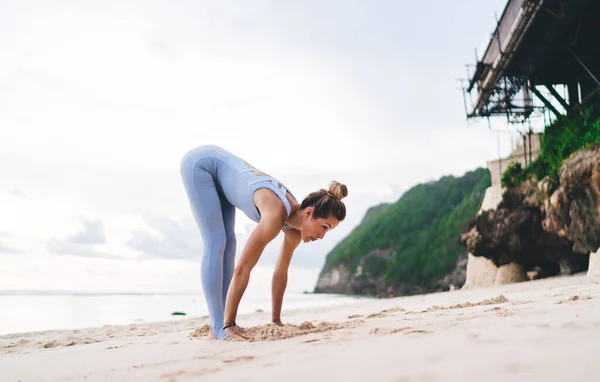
17	192
92	233
7	250
4	250
64	247
170	239
82	242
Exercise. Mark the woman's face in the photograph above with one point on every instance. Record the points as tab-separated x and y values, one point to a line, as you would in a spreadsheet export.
314	229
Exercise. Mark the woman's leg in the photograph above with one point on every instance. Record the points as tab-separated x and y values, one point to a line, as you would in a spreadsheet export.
228	211
206	209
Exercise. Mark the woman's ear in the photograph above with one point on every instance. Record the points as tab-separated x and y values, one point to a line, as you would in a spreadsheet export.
308	212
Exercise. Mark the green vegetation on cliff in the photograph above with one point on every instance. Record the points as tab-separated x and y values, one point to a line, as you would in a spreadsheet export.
562	138
421	229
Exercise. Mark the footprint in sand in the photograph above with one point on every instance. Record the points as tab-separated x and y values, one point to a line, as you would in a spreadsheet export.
406	330
501	299
504	313
500	312
385	312
493	309
377	315
575	298
520	302
314	340
171	375
239	358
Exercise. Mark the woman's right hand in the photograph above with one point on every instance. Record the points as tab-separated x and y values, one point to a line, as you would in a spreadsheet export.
237	333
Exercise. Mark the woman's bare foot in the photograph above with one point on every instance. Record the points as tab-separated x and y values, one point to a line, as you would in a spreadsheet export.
211	334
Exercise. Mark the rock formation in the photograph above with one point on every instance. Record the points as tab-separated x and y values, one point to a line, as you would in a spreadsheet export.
573	211
549	227
339	279
336	280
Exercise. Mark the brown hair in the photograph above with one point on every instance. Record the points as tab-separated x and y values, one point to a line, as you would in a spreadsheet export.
327	202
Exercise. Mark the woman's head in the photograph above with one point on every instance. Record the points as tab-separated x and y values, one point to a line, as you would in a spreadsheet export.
322	211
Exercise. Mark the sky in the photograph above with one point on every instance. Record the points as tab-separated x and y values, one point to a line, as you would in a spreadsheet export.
99	100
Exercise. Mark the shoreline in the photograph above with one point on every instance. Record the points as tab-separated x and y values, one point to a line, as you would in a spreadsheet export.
513	331
162	326
46	312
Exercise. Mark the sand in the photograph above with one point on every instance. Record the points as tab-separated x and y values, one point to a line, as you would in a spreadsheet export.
539	330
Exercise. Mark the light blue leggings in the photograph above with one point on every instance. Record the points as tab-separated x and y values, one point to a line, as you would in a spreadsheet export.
215	217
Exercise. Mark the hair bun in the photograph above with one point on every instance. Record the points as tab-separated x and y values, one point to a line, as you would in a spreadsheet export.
338	190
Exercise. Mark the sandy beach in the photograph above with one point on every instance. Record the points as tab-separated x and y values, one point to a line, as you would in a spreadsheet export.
541	330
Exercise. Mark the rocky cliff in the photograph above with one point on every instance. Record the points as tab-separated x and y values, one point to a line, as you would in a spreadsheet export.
549	226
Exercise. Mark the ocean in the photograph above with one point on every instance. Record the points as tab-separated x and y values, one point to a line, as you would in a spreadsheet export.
26	311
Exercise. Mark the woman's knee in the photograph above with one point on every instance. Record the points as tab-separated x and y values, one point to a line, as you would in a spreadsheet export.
230	243
216	244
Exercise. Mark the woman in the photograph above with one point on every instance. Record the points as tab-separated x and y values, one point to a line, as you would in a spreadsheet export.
217	182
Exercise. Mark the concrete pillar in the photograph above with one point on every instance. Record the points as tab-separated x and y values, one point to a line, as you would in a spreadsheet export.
481	272
510	273
594	266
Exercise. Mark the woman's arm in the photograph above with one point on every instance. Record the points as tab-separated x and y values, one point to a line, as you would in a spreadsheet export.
291	241
266	230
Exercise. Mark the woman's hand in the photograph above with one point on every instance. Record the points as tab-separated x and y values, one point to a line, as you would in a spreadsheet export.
237	333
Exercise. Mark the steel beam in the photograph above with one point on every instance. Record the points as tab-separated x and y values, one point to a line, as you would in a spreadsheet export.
557	96
545	101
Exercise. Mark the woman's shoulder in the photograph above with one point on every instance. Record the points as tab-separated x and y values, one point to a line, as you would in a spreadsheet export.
269	204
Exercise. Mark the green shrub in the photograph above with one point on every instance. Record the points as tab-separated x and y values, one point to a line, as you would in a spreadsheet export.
560	140
512	175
